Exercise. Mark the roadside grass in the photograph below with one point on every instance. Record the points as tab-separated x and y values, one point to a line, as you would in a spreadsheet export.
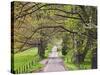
27	61
82	66
85	65
69	65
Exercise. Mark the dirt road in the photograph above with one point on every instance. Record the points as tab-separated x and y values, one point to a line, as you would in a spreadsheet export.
55	63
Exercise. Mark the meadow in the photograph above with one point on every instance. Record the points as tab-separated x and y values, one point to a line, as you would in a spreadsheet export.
27	61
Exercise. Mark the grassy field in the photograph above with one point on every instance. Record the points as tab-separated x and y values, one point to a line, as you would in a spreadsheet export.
27	61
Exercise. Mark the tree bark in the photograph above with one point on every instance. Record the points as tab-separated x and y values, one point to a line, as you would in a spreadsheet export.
94	59
41	49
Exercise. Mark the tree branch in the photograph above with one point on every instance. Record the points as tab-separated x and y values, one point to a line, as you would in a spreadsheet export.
60	10
67	16
42	27
32	11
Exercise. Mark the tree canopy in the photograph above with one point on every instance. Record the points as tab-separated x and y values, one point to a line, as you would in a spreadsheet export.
37	24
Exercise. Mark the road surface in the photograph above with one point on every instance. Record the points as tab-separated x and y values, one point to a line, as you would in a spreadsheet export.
55	63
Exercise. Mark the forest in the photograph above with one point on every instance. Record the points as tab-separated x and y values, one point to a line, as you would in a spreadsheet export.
37	27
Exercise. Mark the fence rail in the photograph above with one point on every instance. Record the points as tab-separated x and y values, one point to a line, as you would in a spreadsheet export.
26	67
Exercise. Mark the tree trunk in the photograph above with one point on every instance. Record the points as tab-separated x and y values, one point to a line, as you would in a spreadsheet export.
41	49
94	59
87	48
64	45
82	55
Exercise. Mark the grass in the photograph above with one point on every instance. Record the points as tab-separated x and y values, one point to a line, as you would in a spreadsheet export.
72	66
26	58
86	64
69	65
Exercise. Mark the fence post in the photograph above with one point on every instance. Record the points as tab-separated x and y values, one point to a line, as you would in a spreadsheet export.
16	71
24	68
19	69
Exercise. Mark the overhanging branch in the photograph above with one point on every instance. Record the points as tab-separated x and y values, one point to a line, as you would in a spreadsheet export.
67	16
20	16
42	27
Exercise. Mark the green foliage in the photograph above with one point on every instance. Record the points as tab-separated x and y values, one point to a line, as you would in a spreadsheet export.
69	65
72	24
48	50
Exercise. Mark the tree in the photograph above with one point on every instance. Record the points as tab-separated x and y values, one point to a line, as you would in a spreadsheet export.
36	24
